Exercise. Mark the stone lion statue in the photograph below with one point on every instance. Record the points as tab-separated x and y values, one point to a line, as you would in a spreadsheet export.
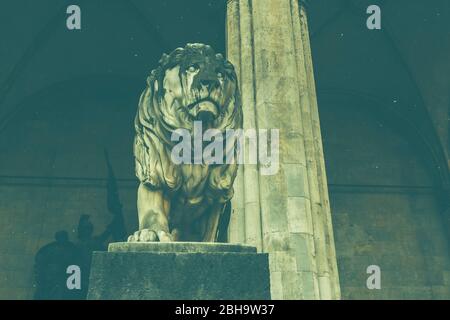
188	201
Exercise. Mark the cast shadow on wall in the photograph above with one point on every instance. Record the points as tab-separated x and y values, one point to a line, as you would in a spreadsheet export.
53	262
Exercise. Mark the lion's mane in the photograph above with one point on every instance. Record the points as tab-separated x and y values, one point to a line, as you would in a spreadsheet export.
155	122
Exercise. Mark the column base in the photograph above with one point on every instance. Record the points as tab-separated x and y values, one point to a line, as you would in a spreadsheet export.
179	271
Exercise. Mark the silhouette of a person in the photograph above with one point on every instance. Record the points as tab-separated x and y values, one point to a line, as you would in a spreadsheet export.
87	244
50	269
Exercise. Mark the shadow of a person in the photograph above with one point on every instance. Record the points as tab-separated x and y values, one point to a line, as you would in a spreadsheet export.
50	269
88	243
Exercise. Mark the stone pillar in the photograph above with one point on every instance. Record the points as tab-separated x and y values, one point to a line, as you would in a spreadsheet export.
287	214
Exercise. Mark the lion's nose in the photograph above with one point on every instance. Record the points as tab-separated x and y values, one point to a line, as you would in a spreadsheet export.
209	83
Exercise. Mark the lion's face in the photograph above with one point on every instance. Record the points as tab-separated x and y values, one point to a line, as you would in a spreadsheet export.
198	86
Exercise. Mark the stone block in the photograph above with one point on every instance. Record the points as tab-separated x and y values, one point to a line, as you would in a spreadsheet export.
179	270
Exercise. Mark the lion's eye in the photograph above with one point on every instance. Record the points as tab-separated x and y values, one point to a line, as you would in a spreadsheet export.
193	68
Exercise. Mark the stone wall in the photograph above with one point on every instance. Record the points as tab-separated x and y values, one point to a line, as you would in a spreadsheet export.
61	136
398	228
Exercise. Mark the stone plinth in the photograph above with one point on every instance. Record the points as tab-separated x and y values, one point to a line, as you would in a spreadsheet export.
179	270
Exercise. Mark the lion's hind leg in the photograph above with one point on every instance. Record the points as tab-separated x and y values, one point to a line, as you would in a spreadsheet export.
212	222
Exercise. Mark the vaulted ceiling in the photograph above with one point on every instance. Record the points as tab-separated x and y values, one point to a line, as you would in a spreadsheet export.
403	68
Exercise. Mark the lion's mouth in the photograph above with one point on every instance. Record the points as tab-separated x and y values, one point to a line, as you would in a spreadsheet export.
205	110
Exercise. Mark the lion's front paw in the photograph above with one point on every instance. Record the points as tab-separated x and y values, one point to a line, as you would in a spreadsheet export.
147	235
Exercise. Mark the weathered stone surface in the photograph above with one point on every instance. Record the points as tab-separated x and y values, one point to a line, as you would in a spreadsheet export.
274	65
210	271
180	247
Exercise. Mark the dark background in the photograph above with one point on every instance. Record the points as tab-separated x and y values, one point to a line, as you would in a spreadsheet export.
383	100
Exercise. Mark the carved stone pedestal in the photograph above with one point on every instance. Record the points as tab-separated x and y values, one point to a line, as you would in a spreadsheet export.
179	270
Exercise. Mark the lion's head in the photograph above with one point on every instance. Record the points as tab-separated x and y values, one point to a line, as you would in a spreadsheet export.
194	84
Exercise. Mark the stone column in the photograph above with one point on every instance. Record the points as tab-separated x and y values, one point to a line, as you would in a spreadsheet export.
287	214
